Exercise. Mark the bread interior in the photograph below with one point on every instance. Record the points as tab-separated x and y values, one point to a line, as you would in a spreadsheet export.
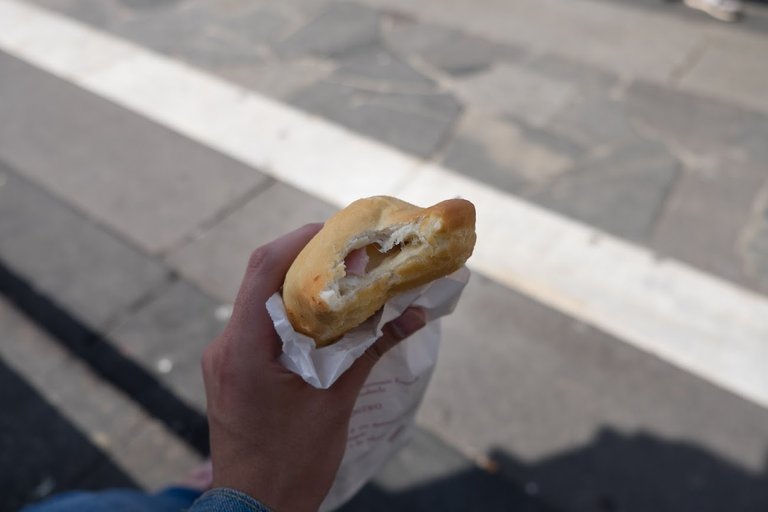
386	248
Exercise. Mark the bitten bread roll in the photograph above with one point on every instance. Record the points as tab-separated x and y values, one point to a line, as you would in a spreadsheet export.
368	252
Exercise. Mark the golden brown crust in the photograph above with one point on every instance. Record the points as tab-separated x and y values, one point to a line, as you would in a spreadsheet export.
324	303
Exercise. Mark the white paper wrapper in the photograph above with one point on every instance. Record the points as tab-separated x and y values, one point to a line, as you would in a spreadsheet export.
384	413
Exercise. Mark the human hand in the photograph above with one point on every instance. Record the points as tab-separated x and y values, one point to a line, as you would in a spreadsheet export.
273	436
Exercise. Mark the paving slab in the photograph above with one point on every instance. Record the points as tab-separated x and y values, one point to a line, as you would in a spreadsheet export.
508	154
429	475
589	387
620	186
599	115
155	458
557	384
34	440
622	192
373	91
168	335
414	123
278	78
596	121
426	472
516	90
62	253
723	155
138	178
341	27
691	478
104	417
232	39
209	34
734	73
216	260
165	328
705	134
756	243
378	68
706	222
587	79
77	279
451	51
612	36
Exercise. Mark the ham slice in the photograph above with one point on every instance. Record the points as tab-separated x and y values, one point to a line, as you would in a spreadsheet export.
356	261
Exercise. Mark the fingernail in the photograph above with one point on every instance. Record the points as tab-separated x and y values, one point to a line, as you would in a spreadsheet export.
409	322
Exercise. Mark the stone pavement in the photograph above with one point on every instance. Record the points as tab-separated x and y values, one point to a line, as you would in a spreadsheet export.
122	242
566	104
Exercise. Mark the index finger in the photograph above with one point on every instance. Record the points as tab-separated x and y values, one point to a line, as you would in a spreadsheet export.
264	275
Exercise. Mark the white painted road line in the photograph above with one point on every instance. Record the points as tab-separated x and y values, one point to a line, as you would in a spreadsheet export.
707	326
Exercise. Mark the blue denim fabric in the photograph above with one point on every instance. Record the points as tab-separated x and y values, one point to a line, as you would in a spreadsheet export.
172	499
227	500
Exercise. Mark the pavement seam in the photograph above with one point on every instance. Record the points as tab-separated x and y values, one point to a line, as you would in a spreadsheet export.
441	78
76	383
170	275
73	207
669	23
95	350
666	197
298	25
690	161
115	320
687	63
578	277
756	222
79	338
217	218
446	138
367	85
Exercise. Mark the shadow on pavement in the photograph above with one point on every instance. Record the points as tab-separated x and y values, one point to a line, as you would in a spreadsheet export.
105	360
618	472
471	490
613	473
41	452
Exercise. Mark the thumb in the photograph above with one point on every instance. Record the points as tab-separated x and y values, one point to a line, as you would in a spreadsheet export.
393	333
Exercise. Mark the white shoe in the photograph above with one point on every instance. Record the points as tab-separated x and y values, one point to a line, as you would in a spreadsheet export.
723	10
